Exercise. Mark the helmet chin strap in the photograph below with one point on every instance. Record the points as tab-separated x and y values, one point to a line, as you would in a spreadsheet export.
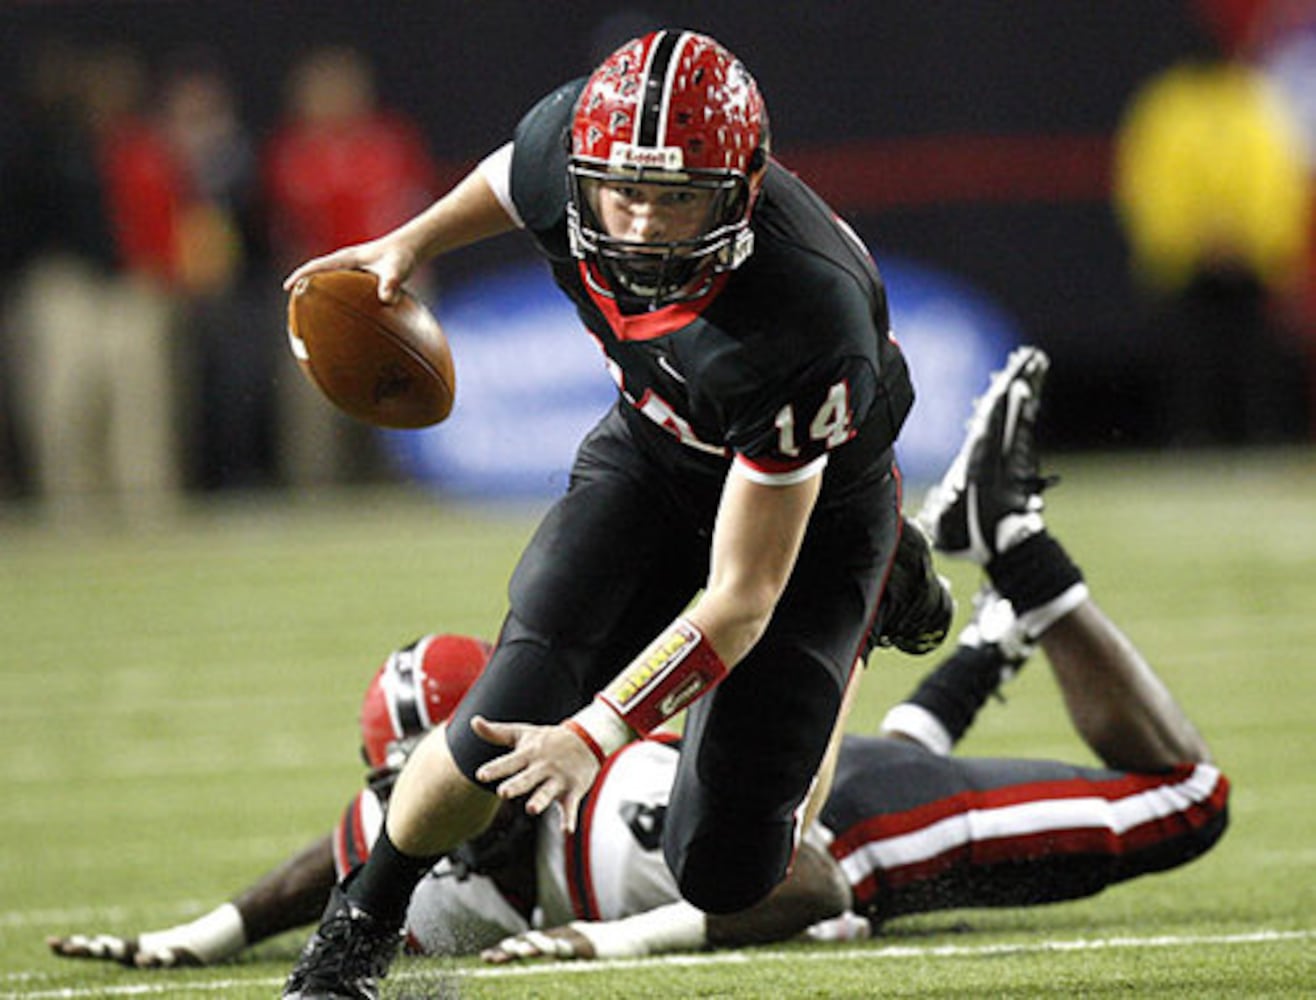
611	281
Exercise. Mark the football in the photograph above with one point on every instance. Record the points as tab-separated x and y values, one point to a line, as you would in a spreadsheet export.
387	364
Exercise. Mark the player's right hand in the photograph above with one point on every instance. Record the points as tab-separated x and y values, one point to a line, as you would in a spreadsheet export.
125	951
390	258
554	943
546	764
847	926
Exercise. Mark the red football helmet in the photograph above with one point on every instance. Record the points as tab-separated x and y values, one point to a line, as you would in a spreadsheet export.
415	689
672	108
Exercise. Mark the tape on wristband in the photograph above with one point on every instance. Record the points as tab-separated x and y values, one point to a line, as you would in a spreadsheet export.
677	668
587	738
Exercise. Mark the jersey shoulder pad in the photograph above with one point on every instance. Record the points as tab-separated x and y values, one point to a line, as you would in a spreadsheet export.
539	166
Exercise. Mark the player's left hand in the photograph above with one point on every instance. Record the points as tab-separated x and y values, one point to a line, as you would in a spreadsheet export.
125	951
546	763
554	943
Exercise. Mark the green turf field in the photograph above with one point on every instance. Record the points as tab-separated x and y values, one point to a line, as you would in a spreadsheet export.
178	710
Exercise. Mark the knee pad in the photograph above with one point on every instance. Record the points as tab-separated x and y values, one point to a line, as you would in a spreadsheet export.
747	764
526	680
728	867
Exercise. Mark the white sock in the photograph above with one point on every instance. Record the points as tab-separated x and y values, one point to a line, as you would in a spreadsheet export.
918	724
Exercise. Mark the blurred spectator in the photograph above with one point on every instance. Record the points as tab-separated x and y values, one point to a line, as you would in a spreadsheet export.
92	312
228	291
338	170
1211	187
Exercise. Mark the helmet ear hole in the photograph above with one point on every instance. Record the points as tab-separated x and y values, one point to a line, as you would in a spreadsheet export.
416	688
758	160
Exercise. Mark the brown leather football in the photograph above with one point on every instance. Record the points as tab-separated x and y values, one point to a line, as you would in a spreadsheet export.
389	365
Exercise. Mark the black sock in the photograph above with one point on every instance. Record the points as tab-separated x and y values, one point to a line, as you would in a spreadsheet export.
383	885
1035	571
957	688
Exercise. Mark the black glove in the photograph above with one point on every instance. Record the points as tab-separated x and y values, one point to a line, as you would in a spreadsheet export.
917	607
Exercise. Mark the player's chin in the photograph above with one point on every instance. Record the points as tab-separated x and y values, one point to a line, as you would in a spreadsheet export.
663	279
644	280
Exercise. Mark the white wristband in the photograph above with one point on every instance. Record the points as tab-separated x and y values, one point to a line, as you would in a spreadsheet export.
212	938
675	927
1041	618
917	724
601	728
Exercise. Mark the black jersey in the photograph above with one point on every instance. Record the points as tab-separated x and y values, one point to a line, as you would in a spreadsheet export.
779	363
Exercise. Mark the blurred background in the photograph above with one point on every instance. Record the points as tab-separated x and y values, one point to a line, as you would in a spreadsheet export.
1126	183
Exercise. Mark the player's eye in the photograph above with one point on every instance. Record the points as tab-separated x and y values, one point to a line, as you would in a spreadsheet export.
680	198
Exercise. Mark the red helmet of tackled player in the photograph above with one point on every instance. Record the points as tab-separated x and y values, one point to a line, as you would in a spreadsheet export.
415	689
677	109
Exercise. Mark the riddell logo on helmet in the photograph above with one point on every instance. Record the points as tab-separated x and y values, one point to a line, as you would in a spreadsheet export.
646	157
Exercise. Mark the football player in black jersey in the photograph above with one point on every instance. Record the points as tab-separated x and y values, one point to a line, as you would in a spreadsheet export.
729	524
906	829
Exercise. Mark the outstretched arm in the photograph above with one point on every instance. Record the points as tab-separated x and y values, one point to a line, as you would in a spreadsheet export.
815	890
292	895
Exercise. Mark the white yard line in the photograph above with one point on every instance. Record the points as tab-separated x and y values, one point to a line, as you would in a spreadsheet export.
759	956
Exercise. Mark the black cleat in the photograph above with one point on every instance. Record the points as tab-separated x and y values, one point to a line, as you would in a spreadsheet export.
990	497
917	606
346	956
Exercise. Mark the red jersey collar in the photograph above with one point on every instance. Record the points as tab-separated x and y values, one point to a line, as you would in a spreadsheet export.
656	323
